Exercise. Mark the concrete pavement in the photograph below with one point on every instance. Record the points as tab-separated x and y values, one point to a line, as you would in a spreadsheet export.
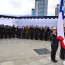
20	52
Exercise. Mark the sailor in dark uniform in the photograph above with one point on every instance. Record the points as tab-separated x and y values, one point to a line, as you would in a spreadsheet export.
54	45
62	53
62	50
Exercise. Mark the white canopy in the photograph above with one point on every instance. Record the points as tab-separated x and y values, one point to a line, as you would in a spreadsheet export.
29	22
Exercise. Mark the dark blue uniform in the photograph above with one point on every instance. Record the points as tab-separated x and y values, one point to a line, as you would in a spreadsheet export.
54	46
62	53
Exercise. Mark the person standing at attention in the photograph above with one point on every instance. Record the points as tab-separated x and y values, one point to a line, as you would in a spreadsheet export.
54	45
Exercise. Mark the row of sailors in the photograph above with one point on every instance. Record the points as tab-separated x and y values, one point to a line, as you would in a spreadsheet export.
27	32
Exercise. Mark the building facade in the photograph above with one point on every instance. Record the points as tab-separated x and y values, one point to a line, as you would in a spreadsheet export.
41	7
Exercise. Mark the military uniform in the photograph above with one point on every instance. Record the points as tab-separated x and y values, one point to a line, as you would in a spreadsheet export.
17	32
41	33
31	29
62	53
13	31
46	34
5	32
54	46
36	33
9	32
2	31
27	34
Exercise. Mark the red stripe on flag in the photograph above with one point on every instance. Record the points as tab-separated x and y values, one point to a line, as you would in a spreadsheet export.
60	38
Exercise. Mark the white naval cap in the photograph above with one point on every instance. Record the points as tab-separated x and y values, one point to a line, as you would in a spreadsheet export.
54	28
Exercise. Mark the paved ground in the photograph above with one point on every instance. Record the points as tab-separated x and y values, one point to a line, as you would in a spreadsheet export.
20	52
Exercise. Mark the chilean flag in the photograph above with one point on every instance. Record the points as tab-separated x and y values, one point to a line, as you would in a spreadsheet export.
60	28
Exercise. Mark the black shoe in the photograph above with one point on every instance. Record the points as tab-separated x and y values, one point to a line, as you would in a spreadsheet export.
54	61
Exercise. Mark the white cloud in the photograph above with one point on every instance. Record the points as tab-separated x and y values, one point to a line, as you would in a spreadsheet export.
23	7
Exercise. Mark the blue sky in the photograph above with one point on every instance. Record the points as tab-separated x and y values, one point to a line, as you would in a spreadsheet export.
23	7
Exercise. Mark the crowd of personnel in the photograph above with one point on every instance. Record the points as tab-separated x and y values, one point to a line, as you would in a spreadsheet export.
25	32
